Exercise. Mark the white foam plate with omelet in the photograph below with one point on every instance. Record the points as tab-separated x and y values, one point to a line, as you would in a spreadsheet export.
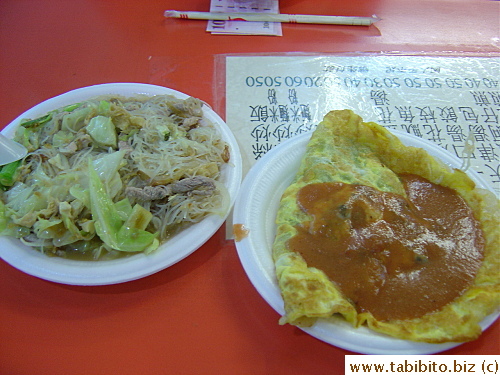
256	209
76	272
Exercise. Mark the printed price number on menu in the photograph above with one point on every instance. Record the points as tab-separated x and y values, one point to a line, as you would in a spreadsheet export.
453	102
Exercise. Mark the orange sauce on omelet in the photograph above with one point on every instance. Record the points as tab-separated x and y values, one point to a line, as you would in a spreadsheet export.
396	257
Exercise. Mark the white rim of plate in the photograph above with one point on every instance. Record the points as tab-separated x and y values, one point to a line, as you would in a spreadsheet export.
75	272
256	208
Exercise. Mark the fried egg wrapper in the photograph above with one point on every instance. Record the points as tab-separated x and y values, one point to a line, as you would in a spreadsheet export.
345	149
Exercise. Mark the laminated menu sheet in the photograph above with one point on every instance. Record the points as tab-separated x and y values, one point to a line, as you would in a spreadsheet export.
453	102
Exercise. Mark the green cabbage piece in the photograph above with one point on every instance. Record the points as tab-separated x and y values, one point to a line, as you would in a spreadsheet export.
62	138
104	107
47	229
124	208
22	200
8	174
107	168
128	236
81	194
68	220
102	130
75	120
22	136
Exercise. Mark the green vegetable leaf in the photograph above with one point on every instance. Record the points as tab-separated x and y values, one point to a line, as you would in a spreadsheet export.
133	239
8	174
124	208
46	118
72	107
107	168
69	221
126	236
139	218
23	137
38	121
76	119
102	130
104	107
62	138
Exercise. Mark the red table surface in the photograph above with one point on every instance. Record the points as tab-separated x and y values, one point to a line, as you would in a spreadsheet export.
201	315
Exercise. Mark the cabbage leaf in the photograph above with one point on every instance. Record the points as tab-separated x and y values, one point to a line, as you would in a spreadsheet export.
107	168
102	130
128	236
8	173
75	120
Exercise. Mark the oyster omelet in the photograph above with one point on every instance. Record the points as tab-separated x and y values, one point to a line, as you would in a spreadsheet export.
351	241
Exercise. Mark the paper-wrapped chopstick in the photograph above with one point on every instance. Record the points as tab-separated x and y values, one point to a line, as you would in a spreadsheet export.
270	17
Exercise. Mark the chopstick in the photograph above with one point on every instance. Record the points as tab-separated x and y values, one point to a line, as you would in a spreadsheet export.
273	17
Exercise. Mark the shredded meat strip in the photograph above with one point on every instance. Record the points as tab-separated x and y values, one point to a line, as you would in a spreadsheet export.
199	185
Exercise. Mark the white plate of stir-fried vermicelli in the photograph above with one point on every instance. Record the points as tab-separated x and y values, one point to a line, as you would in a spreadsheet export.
121	181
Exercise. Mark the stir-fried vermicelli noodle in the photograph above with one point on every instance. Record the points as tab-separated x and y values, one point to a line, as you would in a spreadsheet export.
112	176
